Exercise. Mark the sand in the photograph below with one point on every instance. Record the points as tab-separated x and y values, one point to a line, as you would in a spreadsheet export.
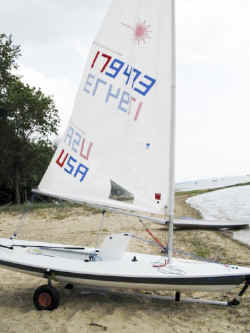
114	313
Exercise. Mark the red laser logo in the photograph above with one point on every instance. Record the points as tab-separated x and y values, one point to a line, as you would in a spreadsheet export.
141	31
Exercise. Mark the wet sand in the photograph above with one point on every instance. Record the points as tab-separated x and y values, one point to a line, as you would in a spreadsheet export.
98	313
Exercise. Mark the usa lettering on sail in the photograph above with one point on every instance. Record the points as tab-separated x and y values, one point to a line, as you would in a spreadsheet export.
79	145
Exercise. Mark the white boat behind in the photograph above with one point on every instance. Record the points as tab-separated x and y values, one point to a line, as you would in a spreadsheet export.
121	131
202	224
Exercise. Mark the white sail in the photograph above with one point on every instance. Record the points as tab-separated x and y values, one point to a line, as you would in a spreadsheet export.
120	128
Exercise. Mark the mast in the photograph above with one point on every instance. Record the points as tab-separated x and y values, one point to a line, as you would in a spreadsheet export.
171	196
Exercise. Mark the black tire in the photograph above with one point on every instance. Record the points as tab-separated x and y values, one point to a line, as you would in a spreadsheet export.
46	298
69	286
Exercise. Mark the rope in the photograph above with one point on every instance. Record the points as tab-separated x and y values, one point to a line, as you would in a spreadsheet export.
22	221
100	229
145	240
157	241
48	247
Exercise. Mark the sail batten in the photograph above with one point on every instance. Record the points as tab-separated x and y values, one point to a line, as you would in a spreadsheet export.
120	127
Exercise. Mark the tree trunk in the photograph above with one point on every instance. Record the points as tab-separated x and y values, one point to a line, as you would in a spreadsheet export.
25	195
17	187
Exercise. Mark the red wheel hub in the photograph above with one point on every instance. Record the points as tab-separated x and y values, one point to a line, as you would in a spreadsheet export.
45	299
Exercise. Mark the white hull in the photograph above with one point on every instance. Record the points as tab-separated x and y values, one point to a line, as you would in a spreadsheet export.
71	265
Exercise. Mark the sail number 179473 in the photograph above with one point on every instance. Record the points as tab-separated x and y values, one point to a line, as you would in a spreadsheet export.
140	83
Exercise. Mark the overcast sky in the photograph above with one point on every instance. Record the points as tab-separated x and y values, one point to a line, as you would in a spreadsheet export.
213	71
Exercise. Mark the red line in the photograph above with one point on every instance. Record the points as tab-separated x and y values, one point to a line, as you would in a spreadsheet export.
106	63
93	63
161	265
86	157
138	111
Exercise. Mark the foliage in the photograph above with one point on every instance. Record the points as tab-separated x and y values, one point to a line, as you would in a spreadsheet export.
29	111
8	55
58	209
28	118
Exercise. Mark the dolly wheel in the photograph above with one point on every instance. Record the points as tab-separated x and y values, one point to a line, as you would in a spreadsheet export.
69	286
46	298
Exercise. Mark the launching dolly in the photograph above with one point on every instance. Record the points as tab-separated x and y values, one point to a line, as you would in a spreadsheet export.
47	297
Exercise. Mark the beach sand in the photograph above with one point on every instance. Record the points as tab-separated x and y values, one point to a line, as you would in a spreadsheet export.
116	313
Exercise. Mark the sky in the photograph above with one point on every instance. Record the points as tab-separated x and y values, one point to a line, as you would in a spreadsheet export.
213	71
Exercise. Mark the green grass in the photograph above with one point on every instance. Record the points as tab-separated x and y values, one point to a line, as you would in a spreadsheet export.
62	208
25	207
199	249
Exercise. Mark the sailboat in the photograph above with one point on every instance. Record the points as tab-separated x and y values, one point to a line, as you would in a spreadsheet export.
121	131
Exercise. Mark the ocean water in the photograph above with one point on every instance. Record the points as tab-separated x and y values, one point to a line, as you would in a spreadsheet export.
232	204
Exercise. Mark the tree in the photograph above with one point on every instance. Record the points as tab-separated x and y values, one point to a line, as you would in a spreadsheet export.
9	53
28	119
39	154
31	117
30	112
